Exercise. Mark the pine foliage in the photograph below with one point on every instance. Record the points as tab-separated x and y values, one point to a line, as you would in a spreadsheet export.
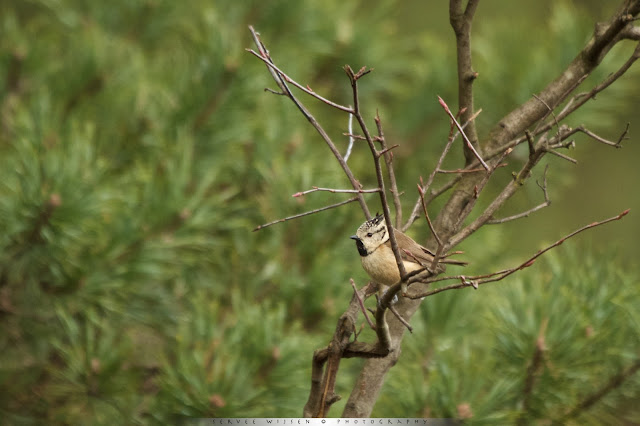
137	152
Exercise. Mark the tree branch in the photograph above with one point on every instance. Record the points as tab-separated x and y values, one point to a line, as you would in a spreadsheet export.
416	208
584	63
461	23
280	78
336	191
612	384
547	202
475	281
388	157
353	78
536	363
467	186
469	145
342	203
600	139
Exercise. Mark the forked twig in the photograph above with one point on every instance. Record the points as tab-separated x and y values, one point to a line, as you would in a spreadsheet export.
282	79
464	136
617	144
382	328
436	169
288	79
477	280
350	200
547	202
404	322
361	303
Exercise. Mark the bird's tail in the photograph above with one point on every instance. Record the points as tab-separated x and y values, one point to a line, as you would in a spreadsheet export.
446	256
454	262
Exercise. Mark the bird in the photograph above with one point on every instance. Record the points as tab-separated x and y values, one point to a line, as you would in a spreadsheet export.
376	255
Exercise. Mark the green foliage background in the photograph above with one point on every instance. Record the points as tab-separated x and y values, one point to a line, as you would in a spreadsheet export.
138	150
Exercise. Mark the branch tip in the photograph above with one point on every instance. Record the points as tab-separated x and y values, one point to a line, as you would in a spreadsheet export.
443	104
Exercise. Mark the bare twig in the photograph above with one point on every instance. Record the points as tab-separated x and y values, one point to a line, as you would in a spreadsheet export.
336	191
280	78
386	299
578	100
388	157
426	214
498	276
323	378
402	320
288	79
361	303
530	143
561	155
433	194
478	188
354	136
351	139
550	112
547	202
457	171
386	150
563	144
464	136
350	200
275	92
497	202
600	139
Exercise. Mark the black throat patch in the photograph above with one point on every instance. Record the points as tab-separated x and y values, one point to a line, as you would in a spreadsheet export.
361	249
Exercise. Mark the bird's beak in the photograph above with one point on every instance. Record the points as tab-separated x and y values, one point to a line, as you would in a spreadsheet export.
355	237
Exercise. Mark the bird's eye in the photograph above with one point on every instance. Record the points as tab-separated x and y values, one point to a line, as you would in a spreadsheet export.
369	234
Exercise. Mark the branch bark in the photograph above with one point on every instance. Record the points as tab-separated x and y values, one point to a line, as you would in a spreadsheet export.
461	22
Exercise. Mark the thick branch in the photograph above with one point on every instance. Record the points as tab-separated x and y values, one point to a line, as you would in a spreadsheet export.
605	37
461	22
322	394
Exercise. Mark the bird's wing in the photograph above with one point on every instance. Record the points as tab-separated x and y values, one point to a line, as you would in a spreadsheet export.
414	252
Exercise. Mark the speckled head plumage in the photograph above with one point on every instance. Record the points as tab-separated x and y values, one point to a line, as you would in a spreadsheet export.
371	235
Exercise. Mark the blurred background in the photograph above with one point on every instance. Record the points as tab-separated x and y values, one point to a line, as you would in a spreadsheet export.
138	150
